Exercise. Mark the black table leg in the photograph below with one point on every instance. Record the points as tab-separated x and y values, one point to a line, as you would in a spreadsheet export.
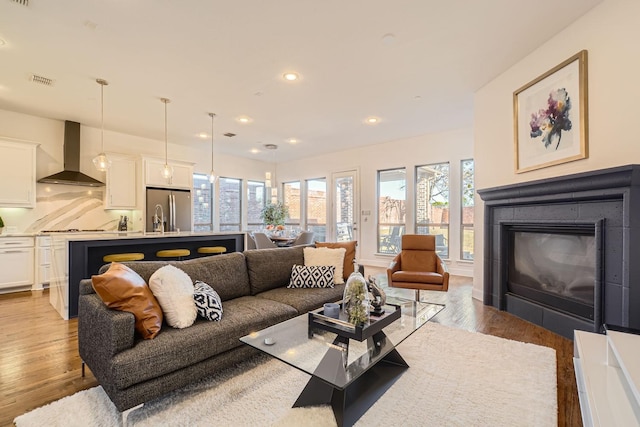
351	403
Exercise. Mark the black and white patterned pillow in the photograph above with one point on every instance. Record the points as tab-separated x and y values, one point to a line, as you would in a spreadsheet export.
311	276
207	301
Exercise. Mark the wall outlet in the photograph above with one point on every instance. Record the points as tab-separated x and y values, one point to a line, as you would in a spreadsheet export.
366	213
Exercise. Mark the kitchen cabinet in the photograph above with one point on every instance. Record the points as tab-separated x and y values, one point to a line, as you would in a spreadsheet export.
182	174
42	262
17	173
121	187
16	263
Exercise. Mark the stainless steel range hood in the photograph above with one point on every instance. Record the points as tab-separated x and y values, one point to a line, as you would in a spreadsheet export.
71	174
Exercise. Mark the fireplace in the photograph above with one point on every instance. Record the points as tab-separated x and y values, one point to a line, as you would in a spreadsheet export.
555	266
564	252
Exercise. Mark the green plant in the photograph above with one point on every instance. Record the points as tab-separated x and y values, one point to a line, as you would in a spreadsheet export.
274	213
1	222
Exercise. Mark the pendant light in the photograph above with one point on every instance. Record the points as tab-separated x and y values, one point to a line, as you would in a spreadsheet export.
267	175
212	174
101	161
167	170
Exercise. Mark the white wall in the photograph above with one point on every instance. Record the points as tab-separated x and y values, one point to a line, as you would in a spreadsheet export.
610	33
452	147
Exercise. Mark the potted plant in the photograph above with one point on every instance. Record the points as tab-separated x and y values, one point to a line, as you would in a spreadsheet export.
1	225
274	214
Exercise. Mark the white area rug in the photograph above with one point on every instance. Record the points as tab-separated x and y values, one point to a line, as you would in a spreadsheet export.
456	378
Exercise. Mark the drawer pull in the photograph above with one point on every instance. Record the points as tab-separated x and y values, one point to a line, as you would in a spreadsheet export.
14	243
12	252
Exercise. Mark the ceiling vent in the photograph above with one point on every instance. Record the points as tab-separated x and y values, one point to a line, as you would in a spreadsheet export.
22	2
229	134
41	80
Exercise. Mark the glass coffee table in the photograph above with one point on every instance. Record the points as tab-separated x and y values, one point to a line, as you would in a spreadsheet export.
350	375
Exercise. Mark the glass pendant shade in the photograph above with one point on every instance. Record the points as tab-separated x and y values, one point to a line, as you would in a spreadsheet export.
167	171
212	176
101	161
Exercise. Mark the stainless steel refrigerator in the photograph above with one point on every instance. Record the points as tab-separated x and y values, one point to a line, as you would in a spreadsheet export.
174	204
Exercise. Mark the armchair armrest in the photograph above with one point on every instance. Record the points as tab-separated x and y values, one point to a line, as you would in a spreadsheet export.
393	267
442	269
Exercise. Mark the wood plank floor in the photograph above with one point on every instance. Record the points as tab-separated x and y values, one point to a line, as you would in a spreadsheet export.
39	360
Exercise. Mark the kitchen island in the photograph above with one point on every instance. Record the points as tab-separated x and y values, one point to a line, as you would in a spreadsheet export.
79	256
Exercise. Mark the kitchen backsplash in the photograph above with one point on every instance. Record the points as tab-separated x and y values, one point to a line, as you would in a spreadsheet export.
60	207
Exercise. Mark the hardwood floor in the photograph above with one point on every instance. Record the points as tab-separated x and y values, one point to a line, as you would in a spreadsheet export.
39	360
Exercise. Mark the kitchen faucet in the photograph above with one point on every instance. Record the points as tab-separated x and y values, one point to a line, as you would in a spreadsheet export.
158	222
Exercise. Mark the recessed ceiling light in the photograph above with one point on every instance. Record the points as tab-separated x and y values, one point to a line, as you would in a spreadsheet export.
203	135
293	140
2	42
255	150
389	38
244	119
291	77
372	120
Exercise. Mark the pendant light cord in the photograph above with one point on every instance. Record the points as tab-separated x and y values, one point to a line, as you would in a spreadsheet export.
213	115
102	117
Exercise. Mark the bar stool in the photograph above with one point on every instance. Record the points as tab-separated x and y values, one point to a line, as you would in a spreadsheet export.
134	256
173	253
213	250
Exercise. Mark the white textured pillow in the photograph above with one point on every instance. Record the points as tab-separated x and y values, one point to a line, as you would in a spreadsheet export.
173	288
327	256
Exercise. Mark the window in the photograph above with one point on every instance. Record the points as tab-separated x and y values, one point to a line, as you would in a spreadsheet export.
291	199
466	218
432	204
392	195
230	203
255	202
202	203
316	208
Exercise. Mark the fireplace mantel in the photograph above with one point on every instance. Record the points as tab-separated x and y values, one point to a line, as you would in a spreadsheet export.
609	197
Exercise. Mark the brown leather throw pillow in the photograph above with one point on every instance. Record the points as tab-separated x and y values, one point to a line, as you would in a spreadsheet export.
123	289
349	256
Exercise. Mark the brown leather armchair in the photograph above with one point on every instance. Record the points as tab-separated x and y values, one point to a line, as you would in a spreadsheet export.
418	266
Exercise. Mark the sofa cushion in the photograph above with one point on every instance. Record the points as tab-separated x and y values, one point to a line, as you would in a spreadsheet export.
174	349
327	256
349	256
123	289
304	299
271	268
311	276
207	301
227	273
173	288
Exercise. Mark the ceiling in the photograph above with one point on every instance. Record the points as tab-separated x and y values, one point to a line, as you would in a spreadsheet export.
414	64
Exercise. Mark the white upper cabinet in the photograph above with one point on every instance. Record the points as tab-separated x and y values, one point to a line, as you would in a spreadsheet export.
182	174
122	183
17	173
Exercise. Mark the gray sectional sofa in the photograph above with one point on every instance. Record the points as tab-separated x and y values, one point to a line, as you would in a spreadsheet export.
252	286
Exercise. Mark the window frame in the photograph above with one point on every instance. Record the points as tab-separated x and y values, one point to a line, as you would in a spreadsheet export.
463	225
393	239
225	226
418	226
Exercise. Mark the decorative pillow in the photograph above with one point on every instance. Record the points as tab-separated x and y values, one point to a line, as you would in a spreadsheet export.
326	256
123	289
311	276
174	290
349	256
207	301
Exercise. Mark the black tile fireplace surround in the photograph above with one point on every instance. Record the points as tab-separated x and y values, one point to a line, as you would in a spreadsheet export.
607	200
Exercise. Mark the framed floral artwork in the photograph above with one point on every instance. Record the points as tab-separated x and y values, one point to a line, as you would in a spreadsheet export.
550	116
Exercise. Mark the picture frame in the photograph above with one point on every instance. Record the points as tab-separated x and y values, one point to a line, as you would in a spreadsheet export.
551	118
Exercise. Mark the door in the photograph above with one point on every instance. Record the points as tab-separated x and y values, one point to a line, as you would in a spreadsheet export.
183	210
345	206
